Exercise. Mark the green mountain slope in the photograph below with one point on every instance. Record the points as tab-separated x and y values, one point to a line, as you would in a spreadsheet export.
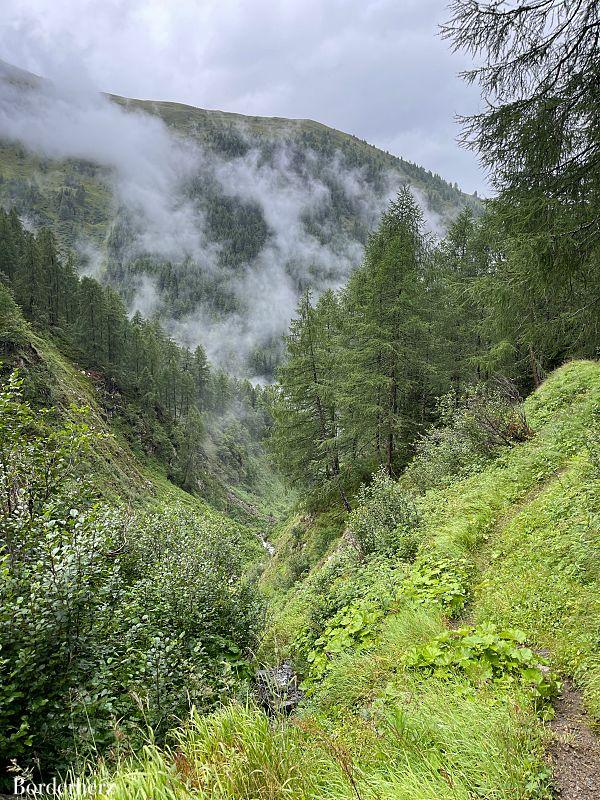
426	674
122	467
223	132
191	213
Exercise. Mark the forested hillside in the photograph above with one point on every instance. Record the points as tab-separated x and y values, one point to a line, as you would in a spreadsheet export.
374	577
201	426
191	214
123	598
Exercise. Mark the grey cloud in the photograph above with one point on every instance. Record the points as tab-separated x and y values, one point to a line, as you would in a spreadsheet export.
148	164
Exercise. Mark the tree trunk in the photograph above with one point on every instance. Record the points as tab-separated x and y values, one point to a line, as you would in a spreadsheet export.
393	410
347	505
535	374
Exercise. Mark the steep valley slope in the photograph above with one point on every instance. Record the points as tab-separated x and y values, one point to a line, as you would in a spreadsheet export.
432	675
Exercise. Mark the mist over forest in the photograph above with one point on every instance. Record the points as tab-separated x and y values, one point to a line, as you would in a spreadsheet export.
213	224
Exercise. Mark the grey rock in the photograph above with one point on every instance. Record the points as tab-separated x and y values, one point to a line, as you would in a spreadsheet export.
277	689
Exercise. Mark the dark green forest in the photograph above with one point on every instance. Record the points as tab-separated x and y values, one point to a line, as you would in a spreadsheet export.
166	399
373	574
365	369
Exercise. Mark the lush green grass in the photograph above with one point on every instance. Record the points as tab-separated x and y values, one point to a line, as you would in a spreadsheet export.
374	731
461	517
531	524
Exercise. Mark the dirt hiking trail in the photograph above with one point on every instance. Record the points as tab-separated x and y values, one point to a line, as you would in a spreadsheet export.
575	750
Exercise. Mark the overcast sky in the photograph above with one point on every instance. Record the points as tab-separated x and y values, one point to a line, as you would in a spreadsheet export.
374	68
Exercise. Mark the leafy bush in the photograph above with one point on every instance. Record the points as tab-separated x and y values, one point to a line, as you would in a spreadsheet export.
347	598
498	415
353	627
298	564
385	520
341	584
189	620
469	433
346	579
443	581
485	653
104	616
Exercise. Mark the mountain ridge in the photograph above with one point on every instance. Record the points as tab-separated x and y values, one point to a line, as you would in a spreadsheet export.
162	108
32	79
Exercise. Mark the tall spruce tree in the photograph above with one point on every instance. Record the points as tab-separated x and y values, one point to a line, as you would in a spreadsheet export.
460	265
201	374
539	136
305	440
386	341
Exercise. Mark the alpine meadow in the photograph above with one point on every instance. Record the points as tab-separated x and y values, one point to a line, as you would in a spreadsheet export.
299	441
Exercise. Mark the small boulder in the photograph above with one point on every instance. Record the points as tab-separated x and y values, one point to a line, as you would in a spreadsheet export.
277	689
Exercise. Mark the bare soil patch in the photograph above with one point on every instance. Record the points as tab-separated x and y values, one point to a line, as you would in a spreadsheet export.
575	750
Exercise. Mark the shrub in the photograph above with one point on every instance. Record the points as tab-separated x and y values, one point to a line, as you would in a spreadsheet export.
104	616
441	581
497	415
188	620
330	596
385	520
353	627
342	581
469	433
485	653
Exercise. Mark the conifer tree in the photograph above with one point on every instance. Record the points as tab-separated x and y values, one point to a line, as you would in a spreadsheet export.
201	375
9	244
90	327
51	270
137	357
386	340
460	265
306	435
30	281
116	328
189	456
538	70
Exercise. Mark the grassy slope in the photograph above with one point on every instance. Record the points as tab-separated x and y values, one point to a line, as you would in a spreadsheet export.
528	524
119	474
49	175
531	523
